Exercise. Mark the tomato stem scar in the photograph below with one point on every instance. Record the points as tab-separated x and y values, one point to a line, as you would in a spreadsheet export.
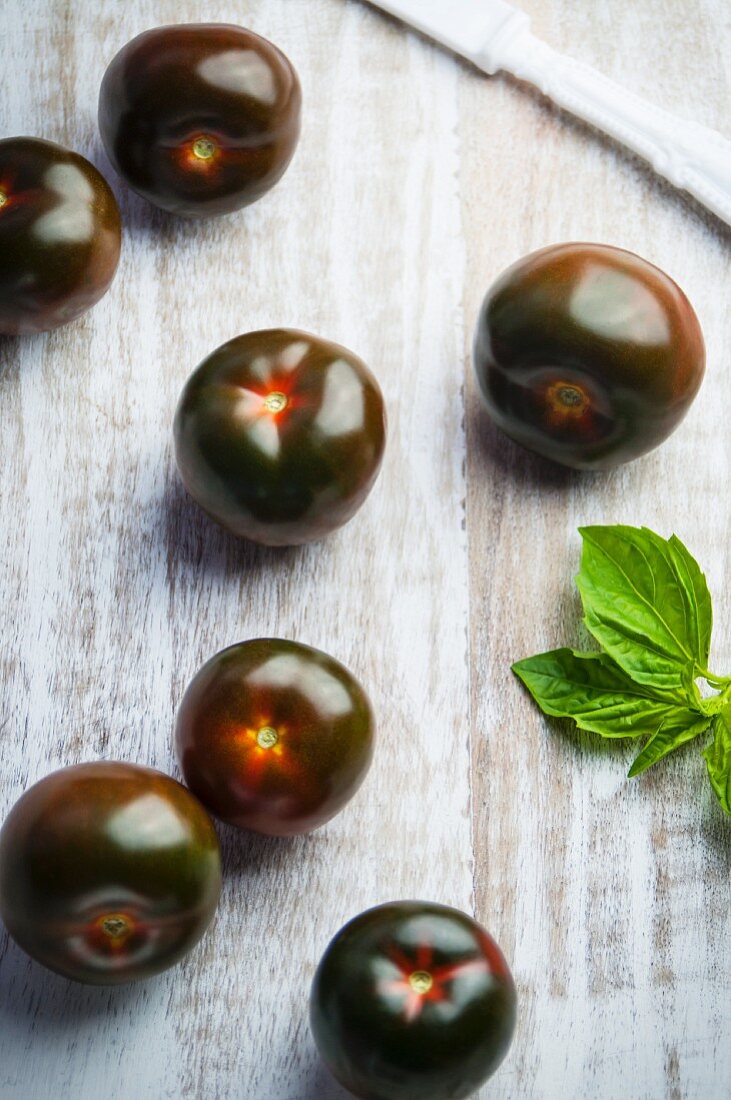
267	738
569	395
567	401
421	981
3	199
204	148
116	925
275	402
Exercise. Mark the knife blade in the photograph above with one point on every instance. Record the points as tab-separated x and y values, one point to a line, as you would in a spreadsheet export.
494	35
465	26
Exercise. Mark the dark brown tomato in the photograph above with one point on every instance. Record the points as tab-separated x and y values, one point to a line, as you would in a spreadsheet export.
274	736
588	354
60	235
412	1001
279	436
109	872
200	119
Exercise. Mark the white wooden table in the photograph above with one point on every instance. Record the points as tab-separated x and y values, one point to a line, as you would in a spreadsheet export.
416	182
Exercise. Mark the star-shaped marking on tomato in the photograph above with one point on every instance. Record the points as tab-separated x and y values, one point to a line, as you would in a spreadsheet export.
419	982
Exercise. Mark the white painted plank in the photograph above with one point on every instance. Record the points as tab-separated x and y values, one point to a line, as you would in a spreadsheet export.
612	897
116	588
417	180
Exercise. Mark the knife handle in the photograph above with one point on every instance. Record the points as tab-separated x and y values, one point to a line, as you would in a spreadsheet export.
692	157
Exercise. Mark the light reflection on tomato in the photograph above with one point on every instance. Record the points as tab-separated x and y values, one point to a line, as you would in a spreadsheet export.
200	118
109	872
279	436
587	354
60	235
412	999
274	736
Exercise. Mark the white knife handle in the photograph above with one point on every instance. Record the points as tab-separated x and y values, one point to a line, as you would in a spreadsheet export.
692	157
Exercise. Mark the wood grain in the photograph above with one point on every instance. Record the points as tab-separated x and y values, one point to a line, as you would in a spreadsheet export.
416	182
612	897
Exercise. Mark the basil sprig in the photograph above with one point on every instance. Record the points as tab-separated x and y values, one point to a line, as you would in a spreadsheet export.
647	604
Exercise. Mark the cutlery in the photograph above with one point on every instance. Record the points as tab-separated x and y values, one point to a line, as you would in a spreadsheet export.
494	35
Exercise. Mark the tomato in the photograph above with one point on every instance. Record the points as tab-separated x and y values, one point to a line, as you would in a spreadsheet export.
60	235
200	119
108	872
412	1001
279	436
274	736
588	354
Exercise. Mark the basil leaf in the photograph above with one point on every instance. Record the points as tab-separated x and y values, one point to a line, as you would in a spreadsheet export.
698	599
718	759
646	603
676	730
594	691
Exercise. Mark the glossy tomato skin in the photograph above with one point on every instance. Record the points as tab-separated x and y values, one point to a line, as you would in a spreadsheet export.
109	872
274	736
412	1001
279	436
588	354
200	119
60	235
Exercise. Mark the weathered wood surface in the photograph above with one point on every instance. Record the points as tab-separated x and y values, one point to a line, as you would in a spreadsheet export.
416	182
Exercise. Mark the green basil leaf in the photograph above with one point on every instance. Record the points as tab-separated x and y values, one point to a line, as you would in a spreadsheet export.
676	730
718	759
698	599
646	603
594	691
